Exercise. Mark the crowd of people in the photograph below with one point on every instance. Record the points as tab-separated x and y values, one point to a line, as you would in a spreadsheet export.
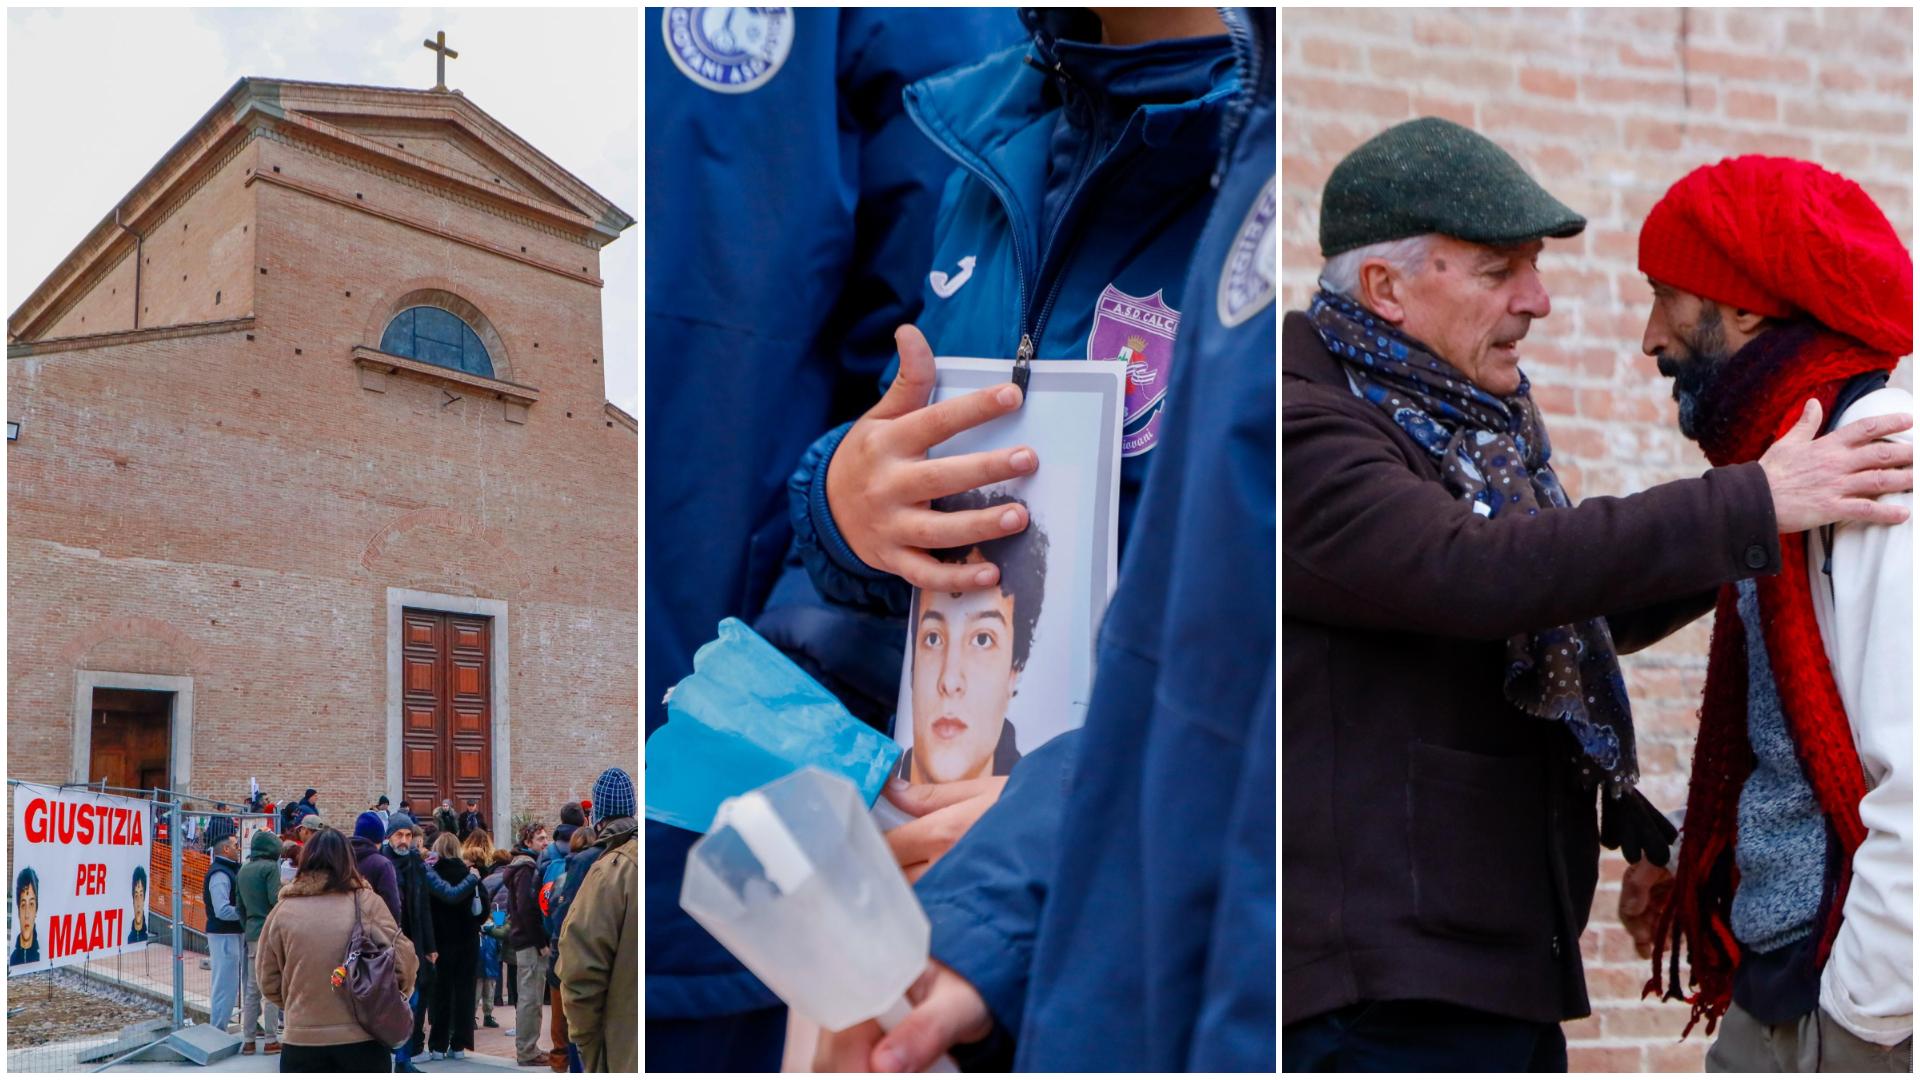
548	925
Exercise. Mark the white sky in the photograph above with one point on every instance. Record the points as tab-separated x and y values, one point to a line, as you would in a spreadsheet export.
96	96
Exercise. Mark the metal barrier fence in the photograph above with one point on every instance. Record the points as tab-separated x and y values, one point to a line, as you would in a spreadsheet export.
64	1019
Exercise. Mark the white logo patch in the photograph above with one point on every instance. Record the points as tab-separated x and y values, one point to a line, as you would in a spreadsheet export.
944	286
1247	276
728	50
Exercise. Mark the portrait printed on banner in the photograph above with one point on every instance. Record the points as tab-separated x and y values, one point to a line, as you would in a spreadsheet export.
26	919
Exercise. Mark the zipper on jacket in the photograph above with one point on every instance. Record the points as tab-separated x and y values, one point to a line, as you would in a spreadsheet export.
1029	329
984	172
1097	128
1246	48
1073	206
1046	308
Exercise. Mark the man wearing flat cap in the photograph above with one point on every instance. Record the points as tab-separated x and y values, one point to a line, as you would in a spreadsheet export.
1781	296
1454	707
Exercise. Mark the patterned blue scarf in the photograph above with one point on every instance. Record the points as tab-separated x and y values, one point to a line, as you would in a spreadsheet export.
1493	453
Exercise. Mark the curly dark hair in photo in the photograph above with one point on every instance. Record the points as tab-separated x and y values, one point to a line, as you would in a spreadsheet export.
1022	559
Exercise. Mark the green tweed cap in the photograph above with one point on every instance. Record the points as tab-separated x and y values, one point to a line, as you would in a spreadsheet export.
1434	176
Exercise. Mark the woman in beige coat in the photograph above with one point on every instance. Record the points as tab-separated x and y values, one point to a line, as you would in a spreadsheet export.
304	939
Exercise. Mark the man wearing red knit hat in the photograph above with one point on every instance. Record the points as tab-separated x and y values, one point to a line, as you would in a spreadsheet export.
1781	297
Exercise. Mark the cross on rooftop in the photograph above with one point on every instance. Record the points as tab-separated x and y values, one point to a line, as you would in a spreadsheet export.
442	54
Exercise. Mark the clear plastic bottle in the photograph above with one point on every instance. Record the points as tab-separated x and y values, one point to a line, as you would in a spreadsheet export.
796	881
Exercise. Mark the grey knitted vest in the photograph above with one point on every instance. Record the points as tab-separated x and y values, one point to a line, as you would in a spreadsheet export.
1781	848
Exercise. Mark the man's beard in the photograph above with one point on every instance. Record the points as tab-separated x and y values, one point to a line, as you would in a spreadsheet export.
1706	355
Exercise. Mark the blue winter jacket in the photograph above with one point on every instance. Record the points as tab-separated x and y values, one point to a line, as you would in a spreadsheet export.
1082	167
788	226
787	229
1139	934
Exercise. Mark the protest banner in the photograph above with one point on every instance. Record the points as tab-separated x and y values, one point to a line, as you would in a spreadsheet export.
79	876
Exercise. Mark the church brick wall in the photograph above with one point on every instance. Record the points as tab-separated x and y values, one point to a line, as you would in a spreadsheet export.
414	199
311	249
234	506
1606	108
205	246
107	307
202	247
436	150
450	152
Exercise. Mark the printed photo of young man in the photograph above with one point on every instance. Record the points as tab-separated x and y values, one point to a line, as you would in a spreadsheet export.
26	912
969	651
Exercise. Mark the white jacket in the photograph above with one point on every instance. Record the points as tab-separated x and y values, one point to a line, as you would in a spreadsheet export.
1866	624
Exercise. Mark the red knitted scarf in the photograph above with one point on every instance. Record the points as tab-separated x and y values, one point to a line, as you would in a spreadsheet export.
1768	392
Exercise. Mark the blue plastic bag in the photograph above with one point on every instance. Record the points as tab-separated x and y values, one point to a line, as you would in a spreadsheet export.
746	717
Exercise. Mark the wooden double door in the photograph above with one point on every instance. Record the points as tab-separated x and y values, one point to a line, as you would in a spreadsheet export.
130	744
446	734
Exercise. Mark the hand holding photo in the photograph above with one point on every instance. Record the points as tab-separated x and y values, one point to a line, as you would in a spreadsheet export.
883	475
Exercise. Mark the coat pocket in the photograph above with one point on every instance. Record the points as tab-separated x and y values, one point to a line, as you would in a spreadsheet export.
1477	836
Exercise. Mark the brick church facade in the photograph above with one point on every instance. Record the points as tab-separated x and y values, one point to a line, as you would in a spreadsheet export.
312	477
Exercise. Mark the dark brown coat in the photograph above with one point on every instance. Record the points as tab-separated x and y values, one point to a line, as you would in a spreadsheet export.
1437	844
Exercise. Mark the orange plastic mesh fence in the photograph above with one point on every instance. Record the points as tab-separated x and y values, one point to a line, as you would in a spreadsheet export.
193	868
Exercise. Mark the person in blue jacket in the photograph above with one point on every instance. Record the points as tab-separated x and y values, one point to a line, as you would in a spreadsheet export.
1085	164
1085	174
789	220
1115	910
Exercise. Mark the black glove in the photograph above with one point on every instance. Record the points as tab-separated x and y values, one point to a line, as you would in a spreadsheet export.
1632	824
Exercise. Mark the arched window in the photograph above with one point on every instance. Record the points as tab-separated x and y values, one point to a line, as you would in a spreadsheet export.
437	336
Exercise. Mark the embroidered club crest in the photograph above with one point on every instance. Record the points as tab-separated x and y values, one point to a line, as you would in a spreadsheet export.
725	49
1138	331
1248	274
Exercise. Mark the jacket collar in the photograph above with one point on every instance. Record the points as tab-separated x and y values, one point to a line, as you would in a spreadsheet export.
1304	356
1252	32
1066	42
978	107
617	831
304	885
989	115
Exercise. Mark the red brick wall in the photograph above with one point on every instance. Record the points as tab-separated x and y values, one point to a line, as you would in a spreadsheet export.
196	263
234	506
1606	108
107	307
